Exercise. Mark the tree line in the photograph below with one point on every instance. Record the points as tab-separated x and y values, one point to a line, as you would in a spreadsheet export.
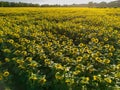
90	4
15	4
105	4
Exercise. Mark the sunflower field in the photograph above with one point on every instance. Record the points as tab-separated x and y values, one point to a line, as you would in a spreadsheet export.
60	48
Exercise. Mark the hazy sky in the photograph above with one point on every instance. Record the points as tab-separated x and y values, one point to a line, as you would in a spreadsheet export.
57	1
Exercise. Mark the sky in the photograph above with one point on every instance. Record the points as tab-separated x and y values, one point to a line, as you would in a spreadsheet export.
58	1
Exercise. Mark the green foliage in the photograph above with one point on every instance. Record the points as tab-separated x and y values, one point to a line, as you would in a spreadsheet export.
14	4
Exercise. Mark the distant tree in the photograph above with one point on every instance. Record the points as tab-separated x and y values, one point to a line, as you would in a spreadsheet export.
114	4
91	4
102	4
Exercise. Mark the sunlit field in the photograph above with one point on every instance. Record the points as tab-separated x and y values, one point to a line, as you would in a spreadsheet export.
60	48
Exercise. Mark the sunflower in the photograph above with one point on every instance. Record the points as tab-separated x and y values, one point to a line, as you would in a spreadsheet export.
6	73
